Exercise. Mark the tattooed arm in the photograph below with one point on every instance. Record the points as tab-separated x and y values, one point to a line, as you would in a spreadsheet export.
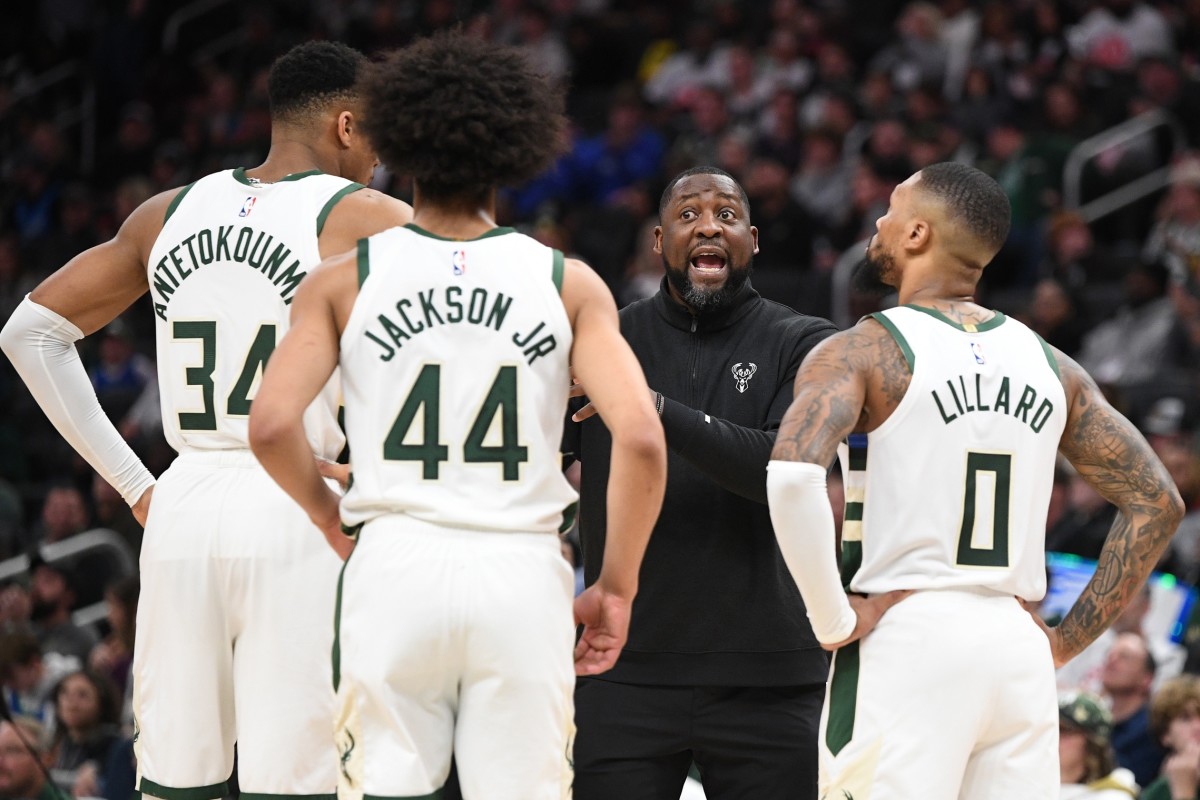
838	389
1111	455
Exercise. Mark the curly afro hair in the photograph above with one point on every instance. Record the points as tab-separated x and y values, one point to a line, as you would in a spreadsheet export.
461	116
307	78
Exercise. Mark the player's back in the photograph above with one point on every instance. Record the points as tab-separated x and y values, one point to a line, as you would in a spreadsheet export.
455	368
222	274
952	489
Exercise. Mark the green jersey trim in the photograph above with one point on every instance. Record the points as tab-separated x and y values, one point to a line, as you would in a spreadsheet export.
489	234
1049	356
891	328
994	322
569	514
212	792
556	272
336	651
240	176
364	261
176	201
333	201
437	795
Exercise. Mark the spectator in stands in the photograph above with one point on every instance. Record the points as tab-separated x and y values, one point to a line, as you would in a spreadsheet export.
64	514
85	726
122	374
628	151
1131	347
22	744
919	55
52	597
784	234
1116	33
1175	237
1087	764
113	656
822	184
1175	721
23	673
112	513
1073	259
701	63
1054	316
1127	677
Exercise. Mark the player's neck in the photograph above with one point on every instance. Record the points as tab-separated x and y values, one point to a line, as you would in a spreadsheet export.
454	219
290	157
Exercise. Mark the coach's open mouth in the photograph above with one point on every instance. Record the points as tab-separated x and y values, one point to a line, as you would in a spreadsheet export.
708	263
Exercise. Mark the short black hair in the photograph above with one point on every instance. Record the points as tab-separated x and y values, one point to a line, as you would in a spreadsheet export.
669	192
308	77
461	115
972	198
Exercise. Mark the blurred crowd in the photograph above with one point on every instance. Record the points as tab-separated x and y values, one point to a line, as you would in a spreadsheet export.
817	108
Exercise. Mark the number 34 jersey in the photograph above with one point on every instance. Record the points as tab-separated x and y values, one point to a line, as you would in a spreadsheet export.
455	367
953	488
222	274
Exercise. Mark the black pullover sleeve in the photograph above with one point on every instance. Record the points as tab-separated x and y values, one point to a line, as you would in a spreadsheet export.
733	455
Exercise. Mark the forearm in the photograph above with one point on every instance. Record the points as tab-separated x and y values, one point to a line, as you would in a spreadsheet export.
636	483
285	454
41	345
733	456
1135	543
803	522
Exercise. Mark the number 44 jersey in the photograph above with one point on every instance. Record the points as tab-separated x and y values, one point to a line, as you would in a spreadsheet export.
222	274
455	367
953	488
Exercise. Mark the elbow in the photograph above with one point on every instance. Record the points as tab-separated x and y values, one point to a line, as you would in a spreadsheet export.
1176	509
266	431
644	441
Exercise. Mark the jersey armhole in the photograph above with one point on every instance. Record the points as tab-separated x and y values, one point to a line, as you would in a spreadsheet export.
364	261
1049	356
176	201
556	271
891	328
333	201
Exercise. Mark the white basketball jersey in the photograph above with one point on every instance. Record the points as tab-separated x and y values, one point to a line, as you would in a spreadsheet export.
952	490
222	274
455	367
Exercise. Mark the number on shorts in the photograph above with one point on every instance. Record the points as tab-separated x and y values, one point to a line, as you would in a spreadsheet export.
238	402
425	396
999	467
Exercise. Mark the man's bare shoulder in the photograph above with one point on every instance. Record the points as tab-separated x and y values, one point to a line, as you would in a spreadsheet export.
359	215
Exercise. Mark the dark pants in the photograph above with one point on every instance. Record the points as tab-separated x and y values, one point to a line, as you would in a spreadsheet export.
637	742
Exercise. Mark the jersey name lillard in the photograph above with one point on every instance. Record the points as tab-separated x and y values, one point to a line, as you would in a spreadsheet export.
477	308
969	396
255	249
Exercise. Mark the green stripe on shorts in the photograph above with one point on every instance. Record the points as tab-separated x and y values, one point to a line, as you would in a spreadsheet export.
435	796
212	792
259	796
843	698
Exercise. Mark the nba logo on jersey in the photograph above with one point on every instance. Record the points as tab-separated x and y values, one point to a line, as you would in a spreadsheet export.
458	262
977	351
247	206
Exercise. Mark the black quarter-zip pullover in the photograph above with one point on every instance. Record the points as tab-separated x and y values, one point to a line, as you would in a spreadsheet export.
716	605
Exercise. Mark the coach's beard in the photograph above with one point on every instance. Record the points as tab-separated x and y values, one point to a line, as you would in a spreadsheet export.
703	300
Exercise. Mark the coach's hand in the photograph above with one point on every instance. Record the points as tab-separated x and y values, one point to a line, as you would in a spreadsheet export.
141	509
868	610
605	619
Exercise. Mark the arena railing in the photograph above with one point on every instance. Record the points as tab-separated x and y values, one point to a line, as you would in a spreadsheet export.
1120	135
99	541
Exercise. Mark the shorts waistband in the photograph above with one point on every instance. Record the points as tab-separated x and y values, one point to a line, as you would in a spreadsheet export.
219	458
404	525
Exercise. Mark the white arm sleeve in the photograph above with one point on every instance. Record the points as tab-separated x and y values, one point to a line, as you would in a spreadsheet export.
803	524
41	345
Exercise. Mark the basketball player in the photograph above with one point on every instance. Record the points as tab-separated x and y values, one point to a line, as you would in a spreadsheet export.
954	414
237	588
456	340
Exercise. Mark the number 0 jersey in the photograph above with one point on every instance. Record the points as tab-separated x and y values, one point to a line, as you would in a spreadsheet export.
953	489
222	274
455	367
